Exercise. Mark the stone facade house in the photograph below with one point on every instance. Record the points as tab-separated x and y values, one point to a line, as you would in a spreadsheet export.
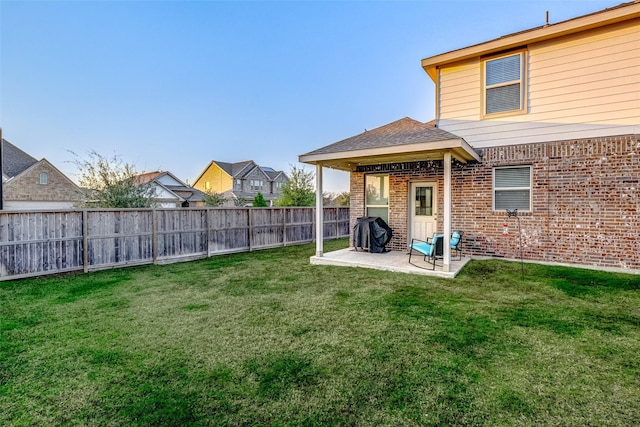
31	184
170	191
545	121
241	181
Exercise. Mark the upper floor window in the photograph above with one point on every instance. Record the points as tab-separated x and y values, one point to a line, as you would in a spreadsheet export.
207	185
512	188
504	84
44	178
256	184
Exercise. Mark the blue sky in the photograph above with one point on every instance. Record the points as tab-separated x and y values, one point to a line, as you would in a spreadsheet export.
171	85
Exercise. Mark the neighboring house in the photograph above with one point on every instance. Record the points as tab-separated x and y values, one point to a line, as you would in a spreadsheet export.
30	184
170	191
242	180
546	121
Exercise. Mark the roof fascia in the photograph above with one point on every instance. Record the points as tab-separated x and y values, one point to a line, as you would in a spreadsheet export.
280	173
263	173
571	26
174	177
381	151
166	189
211	163
239	174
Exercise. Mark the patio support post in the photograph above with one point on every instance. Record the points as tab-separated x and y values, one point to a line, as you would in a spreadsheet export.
446	262
319	212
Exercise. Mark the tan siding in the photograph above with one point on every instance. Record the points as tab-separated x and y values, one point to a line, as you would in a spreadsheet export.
219	180
460	91
577	86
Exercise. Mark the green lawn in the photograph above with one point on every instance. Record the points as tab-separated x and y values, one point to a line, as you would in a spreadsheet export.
264	338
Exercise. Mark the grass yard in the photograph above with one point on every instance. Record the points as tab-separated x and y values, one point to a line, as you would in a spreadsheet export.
264	338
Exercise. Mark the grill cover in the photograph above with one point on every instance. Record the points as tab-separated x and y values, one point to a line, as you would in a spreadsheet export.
372	233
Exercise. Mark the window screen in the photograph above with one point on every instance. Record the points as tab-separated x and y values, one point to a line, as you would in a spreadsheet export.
503	80
512	188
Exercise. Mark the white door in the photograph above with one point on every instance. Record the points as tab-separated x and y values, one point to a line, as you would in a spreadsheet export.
423	210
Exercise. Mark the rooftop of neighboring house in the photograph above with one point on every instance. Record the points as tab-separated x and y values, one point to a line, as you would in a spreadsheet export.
240	169
146	177
14	160
171	183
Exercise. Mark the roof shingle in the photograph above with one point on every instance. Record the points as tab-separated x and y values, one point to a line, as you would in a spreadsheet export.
401	132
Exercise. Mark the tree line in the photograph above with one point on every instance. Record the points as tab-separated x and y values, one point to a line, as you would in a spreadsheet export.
109	182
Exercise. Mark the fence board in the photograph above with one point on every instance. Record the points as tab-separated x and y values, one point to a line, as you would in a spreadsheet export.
181	232
37	243
119	237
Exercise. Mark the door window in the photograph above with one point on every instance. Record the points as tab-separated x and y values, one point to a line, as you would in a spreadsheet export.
424	201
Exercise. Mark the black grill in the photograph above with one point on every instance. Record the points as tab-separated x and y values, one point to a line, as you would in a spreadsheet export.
371	233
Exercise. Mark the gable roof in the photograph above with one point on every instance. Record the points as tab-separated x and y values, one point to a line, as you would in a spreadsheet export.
403	140
401	132
14	160
241	169
272	174
612	15
144	178
179	188
40	163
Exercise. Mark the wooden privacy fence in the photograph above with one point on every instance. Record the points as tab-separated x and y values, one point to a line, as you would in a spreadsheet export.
36	243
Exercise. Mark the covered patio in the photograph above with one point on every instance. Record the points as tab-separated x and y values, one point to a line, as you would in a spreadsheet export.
399	146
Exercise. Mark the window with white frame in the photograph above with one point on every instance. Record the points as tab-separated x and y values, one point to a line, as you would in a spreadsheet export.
504	82
256	184
512	188
377	196
44	178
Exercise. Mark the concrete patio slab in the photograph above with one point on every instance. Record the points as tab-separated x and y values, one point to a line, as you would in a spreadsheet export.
397	261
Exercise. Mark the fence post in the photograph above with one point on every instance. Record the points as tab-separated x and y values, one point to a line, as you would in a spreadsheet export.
284	226
206	226
85	243
250	218
154	235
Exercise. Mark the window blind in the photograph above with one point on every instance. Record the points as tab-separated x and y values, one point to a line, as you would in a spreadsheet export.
513	177
503	84
503	70
512	188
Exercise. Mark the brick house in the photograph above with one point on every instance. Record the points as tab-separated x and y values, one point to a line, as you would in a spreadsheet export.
241	181
546	121
30	184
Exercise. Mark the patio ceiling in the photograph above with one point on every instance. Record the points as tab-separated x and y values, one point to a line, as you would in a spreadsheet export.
401	141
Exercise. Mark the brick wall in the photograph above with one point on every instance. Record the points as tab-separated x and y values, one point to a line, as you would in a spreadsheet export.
27	187
585	202
357	200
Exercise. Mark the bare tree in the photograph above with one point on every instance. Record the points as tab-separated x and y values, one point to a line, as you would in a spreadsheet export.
111	183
